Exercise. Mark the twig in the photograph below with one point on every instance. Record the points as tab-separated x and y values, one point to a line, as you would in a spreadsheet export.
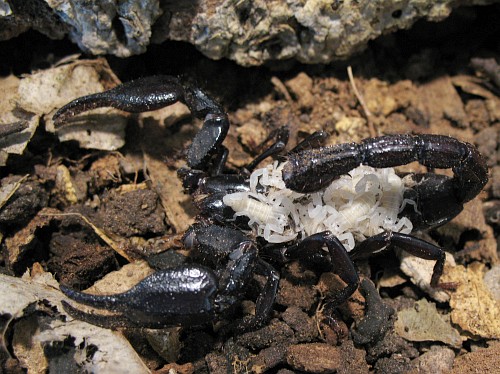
12	128
281	88
116	244
368	114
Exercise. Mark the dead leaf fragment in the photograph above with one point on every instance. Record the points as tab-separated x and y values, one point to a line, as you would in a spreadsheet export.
47	90
474	308
424	323
420	272
14	142
32	310
161	147
441	100
21	245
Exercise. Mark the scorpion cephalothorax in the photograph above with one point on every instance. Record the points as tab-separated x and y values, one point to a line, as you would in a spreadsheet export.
224	258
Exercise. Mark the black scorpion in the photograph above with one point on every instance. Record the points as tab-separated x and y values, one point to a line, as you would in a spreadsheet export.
195	293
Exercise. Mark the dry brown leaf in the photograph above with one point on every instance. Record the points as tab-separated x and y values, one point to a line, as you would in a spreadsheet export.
420	272
474	308
440	100
31	309
47	90
14	142
472	85
21	243
424	323
160	147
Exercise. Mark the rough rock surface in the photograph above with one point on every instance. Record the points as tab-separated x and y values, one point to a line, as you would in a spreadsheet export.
248	32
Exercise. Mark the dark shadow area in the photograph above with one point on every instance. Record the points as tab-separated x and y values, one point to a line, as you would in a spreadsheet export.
427	50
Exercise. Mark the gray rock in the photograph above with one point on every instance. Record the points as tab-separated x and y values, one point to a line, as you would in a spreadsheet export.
248	32
437	360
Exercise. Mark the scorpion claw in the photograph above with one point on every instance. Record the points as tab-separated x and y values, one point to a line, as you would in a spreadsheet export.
208	139
151	93
136	96
184	295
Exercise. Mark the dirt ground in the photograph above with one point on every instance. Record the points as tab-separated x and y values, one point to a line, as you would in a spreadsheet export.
82	213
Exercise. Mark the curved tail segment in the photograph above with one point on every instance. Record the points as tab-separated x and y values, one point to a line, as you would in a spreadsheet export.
313	169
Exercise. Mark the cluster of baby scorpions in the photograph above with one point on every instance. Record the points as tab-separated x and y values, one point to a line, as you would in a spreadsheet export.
224	258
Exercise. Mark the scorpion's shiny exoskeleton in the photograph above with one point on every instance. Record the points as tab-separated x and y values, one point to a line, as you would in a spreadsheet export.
194	293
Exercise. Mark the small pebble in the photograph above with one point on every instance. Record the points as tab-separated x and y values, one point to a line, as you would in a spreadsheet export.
314	358
276	332
438	359
305	328
492	281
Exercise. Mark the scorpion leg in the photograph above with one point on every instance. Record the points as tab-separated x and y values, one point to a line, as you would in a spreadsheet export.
314	140
156	92
312	246
265	301
268	295
192	179
221	242
281	135
414	246
243	260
